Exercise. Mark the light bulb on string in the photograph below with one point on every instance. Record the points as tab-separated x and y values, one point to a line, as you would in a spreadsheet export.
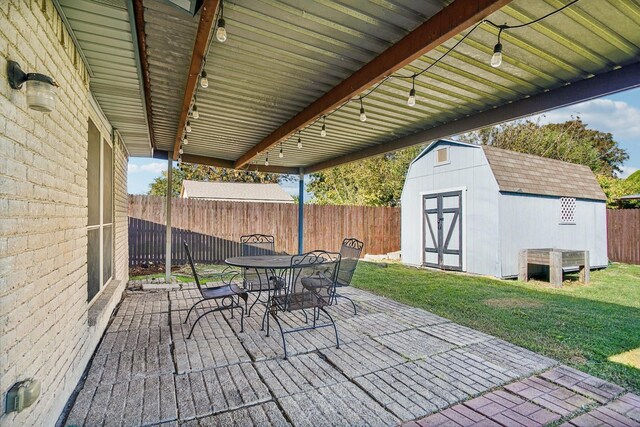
266	162
188	127
185	141
299	141
496	58
194	111
204	82
363	115
412	94
281	154
323	131
221	32
181	151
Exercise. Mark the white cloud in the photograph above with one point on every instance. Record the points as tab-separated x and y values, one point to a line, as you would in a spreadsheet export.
617	117
626	171
155	167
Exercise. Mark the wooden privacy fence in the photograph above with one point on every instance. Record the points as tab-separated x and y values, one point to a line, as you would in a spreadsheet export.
623	235
213	228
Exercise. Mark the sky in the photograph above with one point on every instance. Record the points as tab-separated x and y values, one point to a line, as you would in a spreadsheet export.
618	114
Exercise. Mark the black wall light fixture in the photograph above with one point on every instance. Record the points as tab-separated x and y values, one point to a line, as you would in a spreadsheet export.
41	89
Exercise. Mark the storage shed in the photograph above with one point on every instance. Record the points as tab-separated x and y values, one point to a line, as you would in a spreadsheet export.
472	208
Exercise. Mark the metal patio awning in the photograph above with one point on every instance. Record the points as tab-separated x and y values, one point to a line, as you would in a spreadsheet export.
284	61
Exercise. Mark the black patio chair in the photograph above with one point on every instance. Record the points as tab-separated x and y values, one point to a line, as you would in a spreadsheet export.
255	280
310	284
350	254
224	296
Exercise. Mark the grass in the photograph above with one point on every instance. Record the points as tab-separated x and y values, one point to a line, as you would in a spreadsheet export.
579	325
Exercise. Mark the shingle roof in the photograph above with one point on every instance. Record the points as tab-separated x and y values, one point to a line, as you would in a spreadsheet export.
235	191
526	173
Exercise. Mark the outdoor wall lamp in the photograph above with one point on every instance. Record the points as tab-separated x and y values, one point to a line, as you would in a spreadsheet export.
22	395
41	89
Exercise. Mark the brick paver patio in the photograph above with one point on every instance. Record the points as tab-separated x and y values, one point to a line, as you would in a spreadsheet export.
396	365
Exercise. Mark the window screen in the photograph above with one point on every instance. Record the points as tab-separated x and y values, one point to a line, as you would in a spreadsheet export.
567	210
93	175
107	214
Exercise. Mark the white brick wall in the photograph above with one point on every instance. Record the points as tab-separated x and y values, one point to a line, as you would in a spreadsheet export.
44	331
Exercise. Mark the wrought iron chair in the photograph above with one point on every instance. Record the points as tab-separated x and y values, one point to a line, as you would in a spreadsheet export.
255	280
227	292
310	283
350	254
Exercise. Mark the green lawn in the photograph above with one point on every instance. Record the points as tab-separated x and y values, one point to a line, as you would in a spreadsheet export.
579	325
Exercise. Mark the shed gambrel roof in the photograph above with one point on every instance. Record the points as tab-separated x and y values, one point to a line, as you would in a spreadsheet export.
235	191
526	173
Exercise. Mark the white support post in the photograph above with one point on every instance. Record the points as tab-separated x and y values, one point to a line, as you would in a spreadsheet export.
168	226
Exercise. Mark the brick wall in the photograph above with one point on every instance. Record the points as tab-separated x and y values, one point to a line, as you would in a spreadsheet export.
121	217
44	322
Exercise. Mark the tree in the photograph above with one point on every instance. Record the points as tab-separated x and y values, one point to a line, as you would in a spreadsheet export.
372	182
615	188
209	173
571	141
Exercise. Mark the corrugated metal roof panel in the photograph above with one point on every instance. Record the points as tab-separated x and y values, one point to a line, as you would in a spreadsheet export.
170	36
103	31
281	55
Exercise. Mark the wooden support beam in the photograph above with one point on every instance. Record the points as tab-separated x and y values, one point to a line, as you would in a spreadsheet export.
207	20
452	20
229	164
141	37
624	78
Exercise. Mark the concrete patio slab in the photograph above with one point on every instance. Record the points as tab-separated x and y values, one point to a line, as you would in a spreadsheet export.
414	344
218	390
342	404
395	365
297	374
582	383
264	414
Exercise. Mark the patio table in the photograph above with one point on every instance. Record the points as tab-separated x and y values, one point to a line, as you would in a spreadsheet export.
274	265
262	262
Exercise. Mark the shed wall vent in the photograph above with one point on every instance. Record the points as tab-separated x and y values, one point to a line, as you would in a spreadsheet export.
442	156
567	210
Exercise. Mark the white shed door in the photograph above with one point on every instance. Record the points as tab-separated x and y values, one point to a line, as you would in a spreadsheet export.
443	230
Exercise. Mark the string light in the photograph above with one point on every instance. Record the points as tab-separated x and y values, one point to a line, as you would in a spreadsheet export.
194	110
363	116
323	132
221	32
204	82
299	141
181	151
412	94
266	162
281	154
188	127
496	58
185	141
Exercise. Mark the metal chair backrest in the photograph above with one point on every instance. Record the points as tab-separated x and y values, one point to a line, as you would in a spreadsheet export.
311	280
257	244
193	267
350	254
